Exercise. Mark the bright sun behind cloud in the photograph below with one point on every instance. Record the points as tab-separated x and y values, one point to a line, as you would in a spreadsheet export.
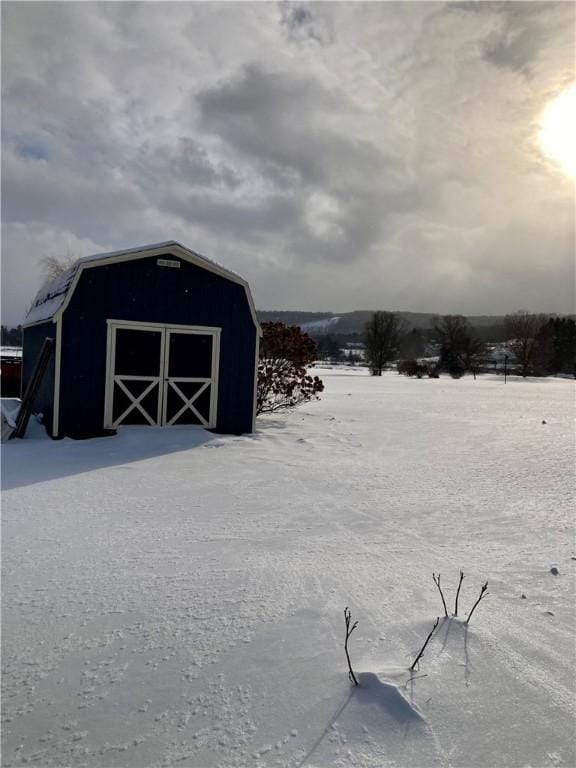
558	130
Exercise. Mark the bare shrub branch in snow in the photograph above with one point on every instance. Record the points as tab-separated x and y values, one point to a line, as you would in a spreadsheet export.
437	582
417	659
458	593
483	593
349	630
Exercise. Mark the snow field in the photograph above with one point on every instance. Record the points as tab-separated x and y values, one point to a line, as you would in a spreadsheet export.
173	597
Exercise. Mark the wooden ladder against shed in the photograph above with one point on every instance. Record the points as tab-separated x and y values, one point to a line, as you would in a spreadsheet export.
33	386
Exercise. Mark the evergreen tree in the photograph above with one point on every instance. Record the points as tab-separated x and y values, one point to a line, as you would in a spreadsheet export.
412	345
11	337
461	349
558	338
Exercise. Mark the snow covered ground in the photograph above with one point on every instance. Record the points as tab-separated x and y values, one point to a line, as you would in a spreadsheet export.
175	598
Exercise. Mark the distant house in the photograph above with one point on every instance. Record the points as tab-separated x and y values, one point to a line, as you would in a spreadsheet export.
156	335
10	371
353	351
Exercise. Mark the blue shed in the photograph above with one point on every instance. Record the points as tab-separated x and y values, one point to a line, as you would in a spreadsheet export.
156	335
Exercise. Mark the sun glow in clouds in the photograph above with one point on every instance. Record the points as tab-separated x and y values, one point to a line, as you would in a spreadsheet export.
558	130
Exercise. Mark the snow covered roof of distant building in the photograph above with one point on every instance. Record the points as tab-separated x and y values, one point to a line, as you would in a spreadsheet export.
499	353
10	352
52	296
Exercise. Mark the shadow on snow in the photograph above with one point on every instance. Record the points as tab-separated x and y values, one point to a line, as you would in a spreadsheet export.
29	461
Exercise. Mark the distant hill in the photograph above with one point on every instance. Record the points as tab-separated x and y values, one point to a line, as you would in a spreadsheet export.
345	323
292	318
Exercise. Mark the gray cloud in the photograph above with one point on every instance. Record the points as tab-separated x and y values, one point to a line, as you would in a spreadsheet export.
347	186
280	119
522	31
302	24
248	220
338	155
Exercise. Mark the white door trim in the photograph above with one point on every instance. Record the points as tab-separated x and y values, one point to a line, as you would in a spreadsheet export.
57	364
164	381
171	326
212	380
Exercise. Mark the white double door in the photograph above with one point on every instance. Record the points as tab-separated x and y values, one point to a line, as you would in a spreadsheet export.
161	374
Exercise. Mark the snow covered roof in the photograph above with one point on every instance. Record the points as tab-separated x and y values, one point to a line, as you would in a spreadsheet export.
51	298
11	352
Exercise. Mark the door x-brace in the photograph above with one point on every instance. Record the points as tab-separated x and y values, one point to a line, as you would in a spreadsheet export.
188	402
135	401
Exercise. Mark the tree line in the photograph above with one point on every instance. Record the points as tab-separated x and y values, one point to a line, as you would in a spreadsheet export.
538	345
11	337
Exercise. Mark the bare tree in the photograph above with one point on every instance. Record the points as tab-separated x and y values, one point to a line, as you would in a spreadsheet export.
52	266
524	338
382	336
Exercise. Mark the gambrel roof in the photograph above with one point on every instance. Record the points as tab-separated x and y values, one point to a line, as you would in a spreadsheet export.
52	299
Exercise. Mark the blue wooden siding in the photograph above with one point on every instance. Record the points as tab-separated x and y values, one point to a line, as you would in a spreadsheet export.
140	290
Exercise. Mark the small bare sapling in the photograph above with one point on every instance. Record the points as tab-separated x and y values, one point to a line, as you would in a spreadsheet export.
349	630
437	582
417	659
458	593
483	593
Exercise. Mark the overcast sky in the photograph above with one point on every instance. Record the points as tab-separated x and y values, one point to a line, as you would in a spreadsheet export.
339	156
